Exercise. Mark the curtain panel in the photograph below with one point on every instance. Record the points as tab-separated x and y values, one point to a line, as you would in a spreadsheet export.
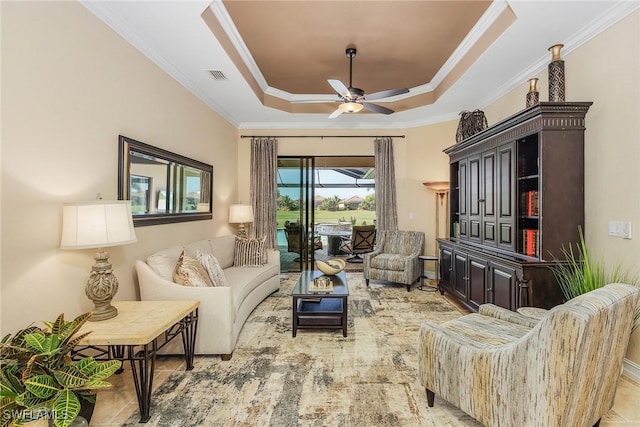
264	188
386	209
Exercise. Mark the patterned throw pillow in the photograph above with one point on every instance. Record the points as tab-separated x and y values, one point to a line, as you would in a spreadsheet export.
249	252
212	266
189	272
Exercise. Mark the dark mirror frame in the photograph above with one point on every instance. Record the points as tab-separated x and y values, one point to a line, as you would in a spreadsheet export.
127	145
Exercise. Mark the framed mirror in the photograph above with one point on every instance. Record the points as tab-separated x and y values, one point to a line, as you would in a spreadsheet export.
163	187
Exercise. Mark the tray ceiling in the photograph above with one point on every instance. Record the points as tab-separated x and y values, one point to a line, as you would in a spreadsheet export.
253	62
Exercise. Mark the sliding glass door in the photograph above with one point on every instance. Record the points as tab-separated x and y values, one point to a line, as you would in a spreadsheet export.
295	213
319	200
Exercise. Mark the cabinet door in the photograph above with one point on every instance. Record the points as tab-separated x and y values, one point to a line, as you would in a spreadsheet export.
478	278
474	183
460	275
488	198
446	268
506	197
502	289
463	198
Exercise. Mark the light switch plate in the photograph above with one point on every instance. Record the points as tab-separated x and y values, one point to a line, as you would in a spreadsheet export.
615	228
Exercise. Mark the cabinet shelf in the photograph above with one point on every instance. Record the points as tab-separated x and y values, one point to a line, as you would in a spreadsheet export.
529	177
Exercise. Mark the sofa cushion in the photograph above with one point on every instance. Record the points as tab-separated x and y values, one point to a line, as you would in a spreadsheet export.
484	331
243	280
249	252
190	272
389	262
164	262
223	248
212	266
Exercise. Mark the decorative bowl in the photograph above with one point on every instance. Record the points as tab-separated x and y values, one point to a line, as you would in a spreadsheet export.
331	267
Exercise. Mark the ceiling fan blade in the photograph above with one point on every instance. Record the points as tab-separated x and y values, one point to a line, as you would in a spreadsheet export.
386	94
377	108
335	114
340	88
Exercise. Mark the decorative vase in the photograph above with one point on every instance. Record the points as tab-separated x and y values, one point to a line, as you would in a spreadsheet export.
556	75
533	96
331	267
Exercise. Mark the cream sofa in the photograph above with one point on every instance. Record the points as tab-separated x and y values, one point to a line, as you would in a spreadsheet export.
223	309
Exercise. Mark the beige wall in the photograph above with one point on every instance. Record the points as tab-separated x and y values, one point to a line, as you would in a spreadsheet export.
418	158
605	70
70	86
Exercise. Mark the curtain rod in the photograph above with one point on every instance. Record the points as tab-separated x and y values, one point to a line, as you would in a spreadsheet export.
321	136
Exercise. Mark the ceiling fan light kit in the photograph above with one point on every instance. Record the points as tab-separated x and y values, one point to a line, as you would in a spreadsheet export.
350	107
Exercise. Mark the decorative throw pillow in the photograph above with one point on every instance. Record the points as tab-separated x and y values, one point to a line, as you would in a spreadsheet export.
212	266
189	272
249	252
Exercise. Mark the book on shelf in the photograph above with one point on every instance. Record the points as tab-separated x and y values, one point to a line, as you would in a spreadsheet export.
454	230
529	203
530	242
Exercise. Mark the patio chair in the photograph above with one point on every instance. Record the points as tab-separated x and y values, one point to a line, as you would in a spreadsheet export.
297	241
362	240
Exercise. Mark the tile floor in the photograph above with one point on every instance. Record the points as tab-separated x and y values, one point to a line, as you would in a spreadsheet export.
115	405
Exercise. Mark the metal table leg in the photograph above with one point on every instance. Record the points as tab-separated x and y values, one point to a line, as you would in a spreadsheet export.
142	368
189	330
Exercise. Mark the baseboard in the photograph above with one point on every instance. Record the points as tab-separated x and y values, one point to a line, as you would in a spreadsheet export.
631	370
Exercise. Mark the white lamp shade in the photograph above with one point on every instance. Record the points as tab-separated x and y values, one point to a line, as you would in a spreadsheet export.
240	214
97	224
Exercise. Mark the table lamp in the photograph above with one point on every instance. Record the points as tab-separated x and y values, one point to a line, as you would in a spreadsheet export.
98	224
241	214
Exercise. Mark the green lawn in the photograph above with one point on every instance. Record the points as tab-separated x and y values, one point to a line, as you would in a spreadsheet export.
328	216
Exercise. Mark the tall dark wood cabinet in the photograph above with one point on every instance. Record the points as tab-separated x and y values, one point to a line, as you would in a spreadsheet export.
516	199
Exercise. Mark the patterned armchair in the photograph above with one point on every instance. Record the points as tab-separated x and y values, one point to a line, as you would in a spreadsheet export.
395	257
506	369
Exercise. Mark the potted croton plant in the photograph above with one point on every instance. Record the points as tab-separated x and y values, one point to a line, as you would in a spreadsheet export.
38	379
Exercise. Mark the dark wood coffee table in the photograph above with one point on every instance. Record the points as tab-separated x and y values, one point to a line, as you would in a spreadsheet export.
320	310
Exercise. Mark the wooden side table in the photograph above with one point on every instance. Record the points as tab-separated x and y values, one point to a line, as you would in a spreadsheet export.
140	329
434	259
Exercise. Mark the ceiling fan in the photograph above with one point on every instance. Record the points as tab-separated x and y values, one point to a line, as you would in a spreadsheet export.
353	99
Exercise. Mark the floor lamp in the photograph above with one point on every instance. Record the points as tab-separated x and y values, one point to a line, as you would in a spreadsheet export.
441	188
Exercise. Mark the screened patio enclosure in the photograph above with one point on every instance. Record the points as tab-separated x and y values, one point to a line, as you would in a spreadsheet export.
319	199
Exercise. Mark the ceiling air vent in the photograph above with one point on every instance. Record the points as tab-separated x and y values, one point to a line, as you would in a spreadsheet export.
217	75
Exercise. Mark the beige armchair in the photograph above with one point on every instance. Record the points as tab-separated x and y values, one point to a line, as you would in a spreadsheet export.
395	257
506	369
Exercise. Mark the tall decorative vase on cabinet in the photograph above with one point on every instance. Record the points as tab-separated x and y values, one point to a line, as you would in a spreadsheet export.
533	96
556	75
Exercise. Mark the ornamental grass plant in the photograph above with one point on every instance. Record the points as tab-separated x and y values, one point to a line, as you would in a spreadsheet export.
578	273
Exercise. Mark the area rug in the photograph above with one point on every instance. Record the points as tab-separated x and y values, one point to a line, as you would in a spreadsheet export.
319	378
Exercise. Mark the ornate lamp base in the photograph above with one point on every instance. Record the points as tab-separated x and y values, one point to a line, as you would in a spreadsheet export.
242	231
102	286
